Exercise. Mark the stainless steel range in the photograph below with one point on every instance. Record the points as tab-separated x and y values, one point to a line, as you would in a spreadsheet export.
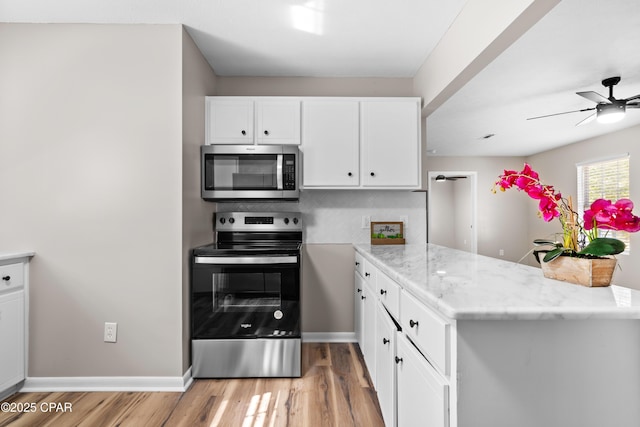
245	297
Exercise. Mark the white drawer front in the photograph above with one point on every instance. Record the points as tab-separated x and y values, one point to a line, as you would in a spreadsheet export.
427	330
11	276
389	293
359	264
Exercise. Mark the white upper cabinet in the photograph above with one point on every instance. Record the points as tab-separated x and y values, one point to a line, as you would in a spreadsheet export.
247	120
330	148
229	121
390	134
278	122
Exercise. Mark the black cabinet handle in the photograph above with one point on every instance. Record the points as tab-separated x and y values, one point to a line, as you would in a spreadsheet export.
384	341
382	292
359	290
367	274
363	297
412	323
244	132
6	278
266	132
350	174
398	359
373	174
357	263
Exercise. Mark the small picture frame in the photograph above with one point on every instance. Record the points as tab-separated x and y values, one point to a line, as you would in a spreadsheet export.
387	233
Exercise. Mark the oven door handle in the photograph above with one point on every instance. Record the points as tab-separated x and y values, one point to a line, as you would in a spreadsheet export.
279	179
246	260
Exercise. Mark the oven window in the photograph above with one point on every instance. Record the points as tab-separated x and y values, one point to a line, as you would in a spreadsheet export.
241	172
247	291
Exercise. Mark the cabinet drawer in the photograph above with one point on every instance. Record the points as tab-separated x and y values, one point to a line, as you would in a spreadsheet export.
428	331
359	264
389	293
11	276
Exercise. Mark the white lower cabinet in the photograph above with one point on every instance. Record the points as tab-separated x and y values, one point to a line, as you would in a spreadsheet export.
12	338
413	390
423	395
358	312
369	330
387	335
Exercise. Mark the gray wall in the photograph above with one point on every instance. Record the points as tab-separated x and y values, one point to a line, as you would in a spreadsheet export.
91	178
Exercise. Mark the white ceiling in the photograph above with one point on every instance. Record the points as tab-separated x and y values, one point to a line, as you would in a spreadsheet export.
316	38
572	49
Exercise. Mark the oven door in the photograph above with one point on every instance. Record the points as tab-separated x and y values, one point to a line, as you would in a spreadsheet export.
249	172
245	297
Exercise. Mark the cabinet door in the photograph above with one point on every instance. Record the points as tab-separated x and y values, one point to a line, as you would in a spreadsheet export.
385	365
330	143
12	339
369	330
390	134
423	395
358	313
278	121
229	121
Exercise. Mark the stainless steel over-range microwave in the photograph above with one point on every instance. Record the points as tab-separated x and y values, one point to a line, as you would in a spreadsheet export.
249	172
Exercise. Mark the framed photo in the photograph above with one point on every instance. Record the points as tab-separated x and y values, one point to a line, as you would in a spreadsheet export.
387	233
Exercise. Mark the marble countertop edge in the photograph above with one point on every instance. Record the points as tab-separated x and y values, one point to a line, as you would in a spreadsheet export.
9	255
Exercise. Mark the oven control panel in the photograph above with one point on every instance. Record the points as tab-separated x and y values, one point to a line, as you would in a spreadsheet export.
257	221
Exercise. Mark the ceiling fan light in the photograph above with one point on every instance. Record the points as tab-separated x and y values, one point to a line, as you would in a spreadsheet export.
610	113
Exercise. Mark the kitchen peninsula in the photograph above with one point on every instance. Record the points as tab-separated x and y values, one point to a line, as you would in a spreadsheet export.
498	344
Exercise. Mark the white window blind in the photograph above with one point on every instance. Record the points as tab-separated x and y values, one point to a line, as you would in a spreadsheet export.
604	179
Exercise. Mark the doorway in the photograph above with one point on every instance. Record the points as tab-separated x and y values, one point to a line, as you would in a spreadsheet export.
451	209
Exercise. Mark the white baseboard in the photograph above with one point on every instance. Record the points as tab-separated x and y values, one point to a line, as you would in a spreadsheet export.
122	384
328	337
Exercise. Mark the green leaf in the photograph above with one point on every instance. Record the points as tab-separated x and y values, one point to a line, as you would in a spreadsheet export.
553	254
603	246
544	242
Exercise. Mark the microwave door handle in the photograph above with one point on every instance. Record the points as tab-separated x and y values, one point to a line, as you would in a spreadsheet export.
279	172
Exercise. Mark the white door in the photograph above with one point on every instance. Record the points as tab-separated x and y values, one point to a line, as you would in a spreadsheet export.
330	143
229	121
423	395
390	135
369	330
358	313
278	121
385	365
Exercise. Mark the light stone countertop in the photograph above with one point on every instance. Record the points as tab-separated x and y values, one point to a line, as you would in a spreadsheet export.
6	255
462	285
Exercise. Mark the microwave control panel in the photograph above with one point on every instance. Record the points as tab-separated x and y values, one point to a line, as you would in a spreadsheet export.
289	172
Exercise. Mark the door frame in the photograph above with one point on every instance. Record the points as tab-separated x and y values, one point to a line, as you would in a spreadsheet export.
472	176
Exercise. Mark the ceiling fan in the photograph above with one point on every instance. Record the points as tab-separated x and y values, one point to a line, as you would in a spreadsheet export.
442	178
608	110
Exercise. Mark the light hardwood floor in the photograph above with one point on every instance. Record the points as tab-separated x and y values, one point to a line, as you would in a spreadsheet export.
335	390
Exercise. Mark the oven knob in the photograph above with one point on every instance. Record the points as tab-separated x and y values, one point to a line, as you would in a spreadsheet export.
295	220
277	314
286	220
222	220
232	220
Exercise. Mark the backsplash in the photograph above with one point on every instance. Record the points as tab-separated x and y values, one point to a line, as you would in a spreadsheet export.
335	216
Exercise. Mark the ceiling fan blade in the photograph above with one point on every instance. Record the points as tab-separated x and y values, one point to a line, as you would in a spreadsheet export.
633	105
594	96
566	112
632	98
586	120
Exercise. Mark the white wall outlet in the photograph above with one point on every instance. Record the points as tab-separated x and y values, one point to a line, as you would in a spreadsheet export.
405	220
366	221
501	252
110	331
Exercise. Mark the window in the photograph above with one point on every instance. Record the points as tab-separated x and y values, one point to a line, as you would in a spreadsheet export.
604	179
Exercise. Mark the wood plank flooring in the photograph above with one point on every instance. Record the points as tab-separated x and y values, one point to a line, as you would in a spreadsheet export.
335	390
